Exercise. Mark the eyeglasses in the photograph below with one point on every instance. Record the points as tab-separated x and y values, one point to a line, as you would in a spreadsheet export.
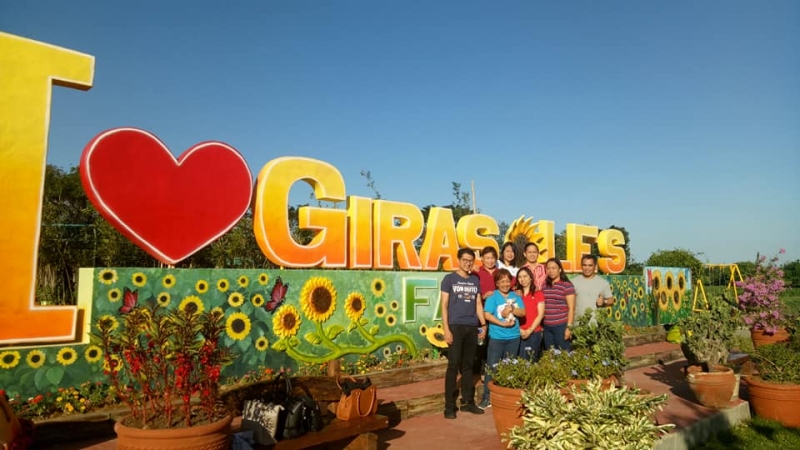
467	261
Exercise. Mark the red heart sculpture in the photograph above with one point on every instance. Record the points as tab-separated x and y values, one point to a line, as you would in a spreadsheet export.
170	208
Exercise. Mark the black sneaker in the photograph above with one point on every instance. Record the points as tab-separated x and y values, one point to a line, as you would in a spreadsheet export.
472	408
450	414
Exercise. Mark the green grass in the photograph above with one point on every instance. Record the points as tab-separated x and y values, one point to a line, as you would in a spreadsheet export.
791	298
758	434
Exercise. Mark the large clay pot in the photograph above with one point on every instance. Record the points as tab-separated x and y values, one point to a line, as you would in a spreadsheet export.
775	401
713	389
760	338
505	407
212	436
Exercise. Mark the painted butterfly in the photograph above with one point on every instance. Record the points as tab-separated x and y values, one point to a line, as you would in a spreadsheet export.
129	301
277	296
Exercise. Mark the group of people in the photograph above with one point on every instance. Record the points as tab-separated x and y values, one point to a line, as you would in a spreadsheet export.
516	310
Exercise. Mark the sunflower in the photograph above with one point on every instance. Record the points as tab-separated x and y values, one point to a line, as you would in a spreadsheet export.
629	293
9	359
115	361
380	310
168	281
394	304
243	281
35	359
66	356
669	282
625	284
677	298
682	282
435	336
440	326
236	299
93	353
193	304
623	303
618	315
223	285
423	329
108	276
139	279
262	344
114	295
108	321
257	300
398	348
263	279
640	292
636	281
286	322
634	311
378	287
663	301
391	320
354	306
318	299
163	299
201	286
218	311
387	352
609	312
238	326
656	281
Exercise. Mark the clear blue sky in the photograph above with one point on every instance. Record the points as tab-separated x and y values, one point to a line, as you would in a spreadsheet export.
677	120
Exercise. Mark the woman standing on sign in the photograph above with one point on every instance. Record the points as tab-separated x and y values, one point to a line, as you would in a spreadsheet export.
559	306
530	326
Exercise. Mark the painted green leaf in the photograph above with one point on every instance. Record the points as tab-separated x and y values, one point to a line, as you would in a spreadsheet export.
333	331
293	341
363	321
279	345
352	326
313	338
40	379
373	330
54	375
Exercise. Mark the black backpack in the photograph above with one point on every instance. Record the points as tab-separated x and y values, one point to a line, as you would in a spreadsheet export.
302	415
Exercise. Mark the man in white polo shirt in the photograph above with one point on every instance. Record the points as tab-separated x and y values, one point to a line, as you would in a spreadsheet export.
591	291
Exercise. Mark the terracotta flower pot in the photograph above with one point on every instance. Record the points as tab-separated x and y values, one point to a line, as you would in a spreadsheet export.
505	408
212	436
713	389
775	401
760	338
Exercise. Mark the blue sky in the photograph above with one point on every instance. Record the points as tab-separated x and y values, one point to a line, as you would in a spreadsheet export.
677	120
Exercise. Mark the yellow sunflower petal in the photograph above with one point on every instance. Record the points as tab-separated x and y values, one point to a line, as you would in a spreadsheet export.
318	299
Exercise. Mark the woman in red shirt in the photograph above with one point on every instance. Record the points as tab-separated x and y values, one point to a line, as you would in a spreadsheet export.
530	326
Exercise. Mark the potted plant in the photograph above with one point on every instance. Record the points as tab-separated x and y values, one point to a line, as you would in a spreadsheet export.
775	391
165	366
708	336
598	353
595	418
761	304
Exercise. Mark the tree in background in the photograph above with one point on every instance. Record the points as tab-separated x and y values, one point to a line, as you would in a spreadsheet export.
678	257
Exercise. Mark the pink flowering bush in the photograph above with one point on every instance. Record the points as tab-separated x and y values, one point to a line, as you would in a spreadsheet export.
760	298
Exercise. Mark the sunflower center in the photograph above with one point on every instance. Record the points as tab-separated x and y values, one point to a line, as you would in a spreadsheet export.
321	300
92	353
67	356
8	359
108	276
138	279
356	304
191	307
289	321
238	325
35	358
438	336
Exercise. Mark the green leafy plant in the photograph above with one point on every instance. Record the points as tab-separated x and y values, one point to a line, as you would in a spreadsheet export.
708	335
780	362
602	336
595	418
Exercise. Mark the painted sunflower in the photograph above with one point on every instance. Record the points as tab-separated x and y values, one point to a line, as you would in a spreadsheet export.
201	286
656	281
380	310
677	299
391	320
663	301
35	359
263	279
623	303
318	299
108	276
108	322
439	325
237	326
218	311
168	281
163	299
669	281
387	352
423	329
609	312
394	304
223	285
286	322
243	281
682	281
636	281
257	300
354	306
114	295
139	279
640	292
193	304
378	287
9	359
116	363
93	353
435	336
236	299
618	315
261	344
634	311
66	356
